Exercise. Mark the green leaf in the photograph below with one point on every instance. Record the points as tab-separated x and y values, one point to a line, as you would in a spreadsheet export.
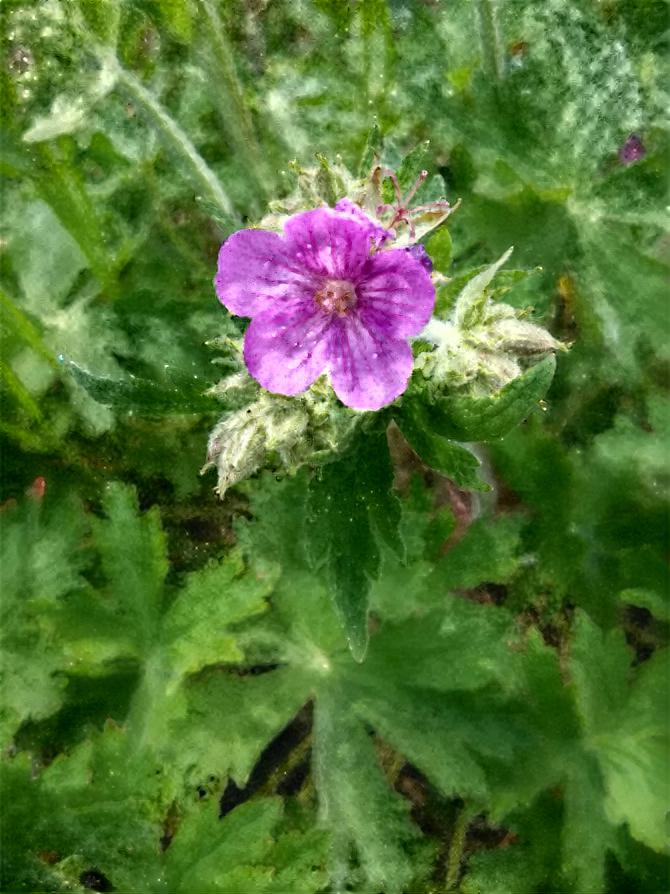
587	833
356	802
102	17
523	866
15	386
197	627
177	16
216	732
376	476
623	719
16	320
656	603
247	852
56	261
617	272
488	418
133	553
42	560
406	585
143	396
60	184
328	184
473	296
449	459
412	165
373	145
438	246
107	806
487	553
349	501
634	759
465	646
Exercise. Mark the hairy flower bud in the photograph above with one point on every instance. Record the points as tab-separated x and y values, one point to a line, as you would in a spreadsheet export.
277	432
482	345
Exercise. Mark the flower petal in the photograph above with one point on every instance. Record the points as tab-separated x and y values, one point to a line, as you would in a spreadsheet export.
256	273
367	370
396	295
286	352
328	242
378	233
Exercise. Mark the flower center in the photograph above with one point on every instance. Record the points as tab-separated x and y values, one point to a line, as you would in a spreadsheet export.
337	296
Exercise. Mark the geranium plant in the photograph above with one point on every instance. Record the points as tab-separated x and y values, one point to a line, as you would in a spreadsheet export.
334	417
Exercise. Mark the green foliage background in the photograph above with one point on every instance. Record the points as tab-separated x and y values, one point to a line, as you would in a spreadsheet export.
180	710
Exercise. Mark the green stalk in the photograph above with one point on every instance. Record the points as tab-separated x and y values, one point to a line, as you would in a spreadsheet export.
19	390
456	848
24	438
237	118
61	186
176	139
292	760
146	723
489	39
24	328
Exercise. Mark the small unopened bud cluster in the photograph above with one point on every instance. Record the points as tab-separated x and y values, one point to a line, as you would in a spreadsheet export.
484	344
279	433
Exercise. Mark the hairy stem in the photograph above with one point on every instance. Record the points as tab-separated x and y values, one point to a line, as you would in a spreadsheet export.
489	39
16	387
177	139
237	118
456	848
12	316
60	184
292	760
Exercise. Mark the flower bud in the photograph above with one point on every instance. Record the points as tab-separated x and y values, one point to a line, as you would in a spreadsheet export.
482	346
276	432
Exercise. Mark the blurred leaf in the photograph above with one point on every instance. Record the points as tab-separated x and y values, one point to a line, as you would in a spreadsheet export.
373	145
143	396
41	559
487	553
654	602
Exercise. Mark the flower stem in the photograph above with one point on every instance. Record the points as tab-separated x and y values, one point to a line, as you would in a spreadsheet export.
239	124
456	848
489	39
175	137
59	183
23	328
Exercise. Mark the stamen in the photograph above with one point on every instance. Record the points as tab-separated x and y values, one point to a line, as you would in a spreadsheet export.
403	211
336	296
417	183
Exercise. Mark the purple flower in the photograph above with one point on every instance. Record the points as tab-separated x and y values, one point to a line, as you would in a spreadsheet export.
632	150
378	233
419	252
321	299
